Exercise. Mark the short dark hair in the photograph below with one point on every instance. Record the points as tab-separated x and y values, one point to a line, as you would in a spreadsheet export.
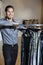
9	6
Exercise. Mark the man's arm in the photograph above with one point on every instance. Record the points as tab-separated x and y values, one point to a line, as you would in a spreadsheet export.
7	24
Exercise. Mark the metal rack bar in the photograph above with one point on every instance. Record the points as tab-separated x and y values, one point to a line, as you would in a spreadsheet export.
30	26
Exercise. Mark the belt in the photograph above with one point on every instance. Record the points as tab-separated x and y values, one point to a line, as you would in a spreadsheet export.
10	45
14	45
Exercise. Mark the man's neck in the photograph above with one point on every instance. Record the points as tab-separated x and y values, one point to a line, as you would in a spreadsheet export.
9	19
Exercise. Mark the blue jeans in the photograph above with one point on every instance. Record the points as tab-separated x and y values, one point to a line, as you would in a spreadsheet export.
41	48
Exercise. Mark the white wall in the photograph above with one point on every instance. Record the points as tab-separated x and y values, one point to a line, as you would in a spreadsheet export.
1	15
1	9
25	9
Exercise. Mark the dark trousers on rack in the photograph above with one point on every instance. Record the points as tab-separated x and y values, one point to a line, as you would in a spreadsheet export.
41	49
10	54
25	49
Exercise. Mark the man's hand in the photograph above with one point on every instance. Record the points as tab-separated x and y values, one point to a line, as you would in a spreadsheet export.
15	24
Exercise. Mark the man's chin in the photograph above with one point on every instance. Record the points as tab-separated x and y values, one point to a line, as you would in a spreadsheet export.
9	18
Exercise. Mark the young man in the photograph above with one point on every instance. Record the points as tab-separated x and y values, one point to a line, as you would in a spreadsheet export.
10	37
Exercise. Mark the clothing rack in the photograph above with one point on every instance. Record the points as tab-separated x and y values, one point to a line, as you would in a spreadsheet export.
33	53
30	26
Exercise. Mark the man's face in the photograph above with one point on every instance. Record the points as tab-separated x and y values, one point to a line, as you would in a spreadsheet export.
10	13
